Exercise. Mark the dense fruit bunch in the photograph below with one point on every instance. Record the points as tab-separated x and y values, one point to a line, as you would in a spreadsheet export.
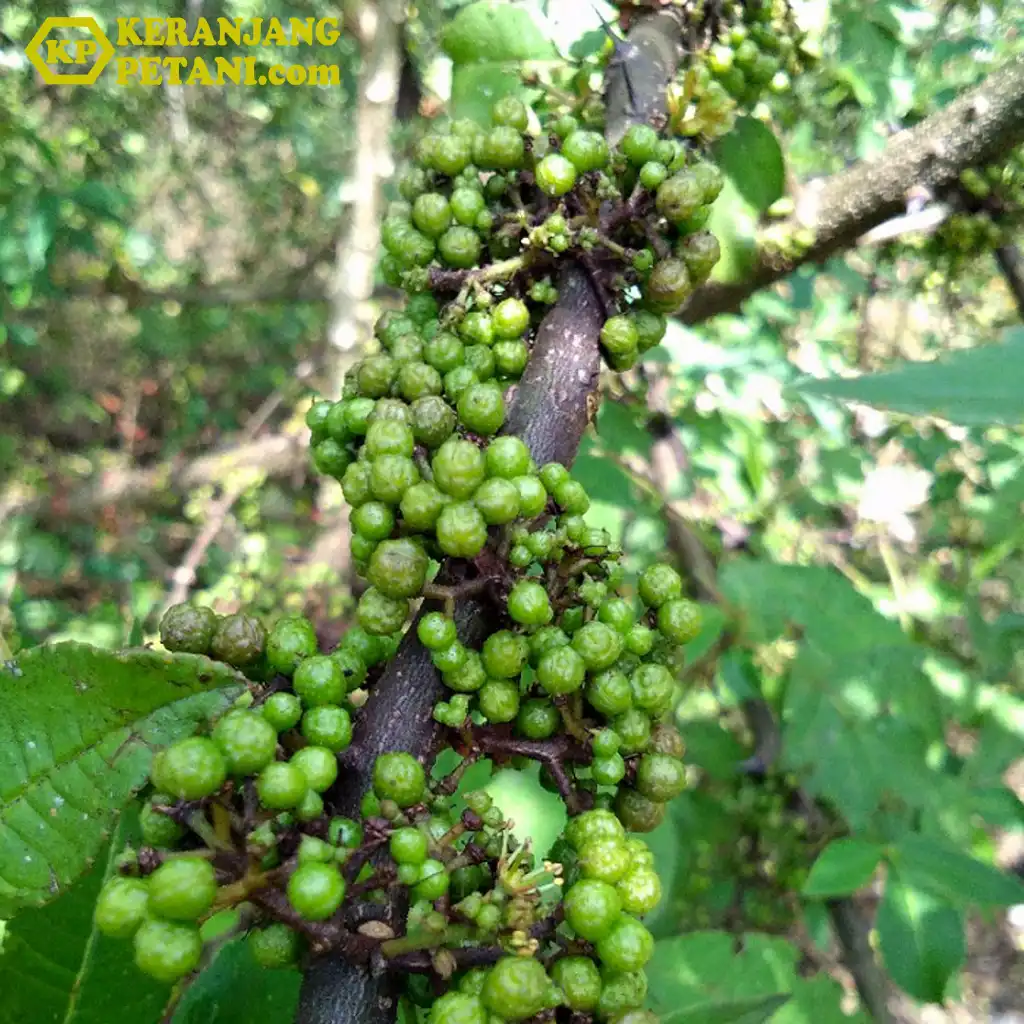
578	671
756	48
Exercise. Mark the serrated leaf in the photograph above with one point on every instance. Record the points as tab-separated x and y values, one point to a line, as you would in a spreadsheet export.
936	865
751	158
842	867
234	989
476	88
56	969
921	939
494	30
976	386
77	730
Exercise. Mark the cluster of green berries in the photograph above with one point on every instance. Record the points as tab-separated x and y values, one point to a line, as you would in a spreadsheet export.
757	48
502	204
751	859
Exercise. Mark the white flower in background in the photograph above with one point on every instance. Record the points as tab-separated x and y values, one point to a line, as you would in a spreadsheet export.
890	494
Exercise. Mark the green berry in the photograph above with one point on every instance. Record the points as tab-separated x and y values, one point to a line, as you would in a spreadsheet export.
121	907
436	631
627	947
379	614
598	645
391	476
498	501
480	359
680	620
459	468
182	889
239	640
533	498
345	832
319	765
457	1008
398	569
580	982
431	214
461	530
607	860
591	826
158	829
274	946
316	890
328	726
652	174
572	497
353	668
538	719
167	950
469	676
700	252
592	908
432	420
355	485
653	687
555	174
318	680
310	807
421	505
247	740
507	457
460	247
658	584
504	654
331	458
605	743
621	996
669	285
640	640
408	846
399	777
552	475
374	520
482	408
634	727
500	149
637	812
586	150
510	358
660	777
528	604
188	628
282	710
517	987
640	891
640	144
510	317
444	351
609	770
477	328
619	335
510	110
498	701
292	639
388	437
617	613
450	658
432	882
190	769
281	786
561	670
466	205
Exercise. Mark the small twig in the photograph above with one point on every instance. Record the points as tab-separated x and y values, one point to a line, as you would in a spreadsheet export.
455	280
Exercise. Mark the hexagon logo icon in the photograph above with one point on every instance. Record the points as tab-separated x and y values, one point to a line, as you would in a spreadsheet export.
48	52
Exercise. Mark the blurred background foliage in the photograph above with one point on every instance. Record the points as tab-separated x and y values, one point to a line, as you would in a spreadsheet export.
168	258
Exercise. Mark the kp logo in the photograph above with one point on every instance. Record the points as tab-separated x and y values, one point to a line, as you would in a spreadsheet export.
50	53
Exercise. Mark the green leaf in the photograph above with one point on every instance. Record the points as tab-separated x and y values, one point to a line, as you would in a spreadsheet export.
476	88
234	989
936	865
755	1010
77	730
56	969
733	222
96	197
921	939
494	30
751	158
976	386
843	867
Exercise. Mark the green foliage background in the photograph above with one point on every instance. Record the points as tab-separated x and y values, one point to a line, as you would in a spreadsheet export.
155	295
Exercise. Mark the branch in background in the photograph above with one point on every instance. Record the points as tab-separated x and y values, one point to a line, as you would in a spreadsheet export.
350	322
1011	263
972	130
276	455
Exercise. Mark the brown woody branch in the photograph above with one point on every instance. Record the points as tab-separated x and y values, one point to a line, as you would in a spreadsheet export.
974	129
